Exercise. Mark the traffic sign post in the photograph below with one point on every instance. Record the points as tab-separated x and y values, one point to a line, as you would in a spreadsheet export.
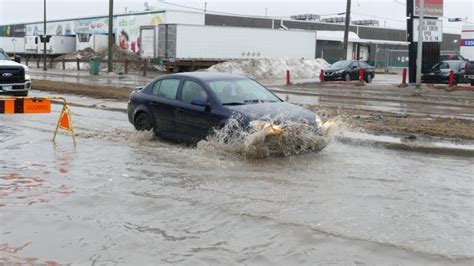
431	36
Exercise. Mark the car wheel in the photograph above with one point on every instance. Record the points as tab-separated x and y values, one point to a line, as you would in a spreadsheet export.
143	122
369	78
347	77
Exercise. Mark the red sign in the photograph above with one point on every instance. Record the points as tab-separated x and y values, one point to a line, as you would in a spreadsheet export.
433	8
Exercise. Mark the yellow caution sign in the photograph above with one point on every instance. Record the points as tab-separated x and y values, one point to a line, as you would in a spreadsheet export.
38	105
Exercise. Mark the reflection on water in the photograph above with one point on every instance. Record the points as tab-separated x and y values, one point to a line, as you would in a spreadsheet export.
27	190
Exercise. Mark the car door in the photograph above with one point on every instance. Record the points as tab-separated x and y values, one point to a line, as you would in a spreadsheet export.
194	122
163	103
354	70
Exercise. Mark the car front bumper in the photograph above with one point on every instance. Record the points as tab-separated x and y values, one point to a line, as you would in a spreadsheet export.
333	76
15	88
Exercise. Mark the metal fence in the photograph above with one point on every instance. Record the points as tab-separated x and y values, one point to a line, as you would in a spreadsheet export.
389	58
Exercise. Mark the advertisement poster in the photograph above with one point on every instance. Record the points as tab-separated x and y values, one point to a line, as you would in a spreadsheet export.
12	30
126	28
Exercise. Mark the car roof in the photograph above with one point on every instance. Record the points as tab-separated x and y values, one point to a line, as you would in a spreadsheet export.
205	76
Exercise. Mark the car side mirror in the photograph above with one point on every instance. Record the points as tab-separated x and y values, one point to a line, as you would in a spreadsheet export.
353	67
201	102
17	59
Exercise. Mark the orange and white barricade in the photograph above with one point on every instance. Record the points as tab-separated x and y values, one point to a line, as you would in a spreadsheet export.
39	105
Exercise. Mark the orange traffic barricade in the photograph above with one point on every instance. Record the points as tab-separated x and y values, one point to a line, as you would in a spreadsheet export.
39	105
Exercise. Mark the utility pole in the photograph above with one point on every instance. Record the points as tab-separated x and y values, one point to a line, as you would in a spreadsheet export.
44	38
346	29
110	67
419	51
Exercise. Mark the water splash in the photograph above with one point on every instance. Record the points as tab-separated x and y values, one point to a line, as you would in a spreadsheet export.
297	138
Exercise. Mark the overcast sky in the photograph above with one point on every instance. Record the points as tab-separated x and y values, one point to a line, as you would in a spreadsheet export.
390	13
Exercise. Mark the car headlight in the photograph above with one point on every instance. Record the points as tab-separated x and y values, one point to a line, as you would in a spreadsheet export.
27	73
318	121
267	127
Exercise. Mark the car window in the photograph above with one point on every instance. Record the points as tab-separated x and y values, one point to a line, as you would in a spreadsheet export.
364	64
354	64
156	88
169	88
241	90
191	90
341	64
3	56
454	65
441	65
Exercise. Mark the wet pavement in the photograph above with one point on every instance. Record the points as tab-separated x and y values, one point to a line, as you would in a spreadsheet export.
137	79
125	197
379	96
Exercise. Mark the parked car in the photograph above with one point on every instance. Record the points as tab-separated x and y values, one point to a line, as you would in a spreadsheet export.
469	73
189	106
439	73
348	70
14	77
446	57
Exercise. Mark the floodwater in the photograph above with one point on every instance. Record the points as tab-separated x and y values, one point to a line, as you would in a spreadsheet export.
122	197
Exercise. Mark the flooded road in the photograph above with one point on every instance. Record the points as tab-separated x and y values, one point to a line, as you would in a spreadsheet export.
129	198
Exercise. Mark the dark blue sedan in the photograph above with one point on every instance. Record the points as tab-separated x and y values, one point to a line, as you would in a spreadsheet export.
189	106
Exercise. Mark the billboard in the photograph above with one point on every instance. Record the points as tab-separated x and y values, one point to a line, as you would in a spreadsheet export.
432	30
17	30
126	28
433	8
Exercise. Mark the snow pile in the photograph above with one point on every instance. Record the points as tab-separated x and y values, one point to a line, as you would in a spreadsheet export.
272	67
118	53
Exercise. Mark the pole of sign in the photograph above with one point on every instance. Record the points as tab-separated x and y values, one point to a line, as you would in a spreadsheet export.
419	53
110	66
44	37
346	30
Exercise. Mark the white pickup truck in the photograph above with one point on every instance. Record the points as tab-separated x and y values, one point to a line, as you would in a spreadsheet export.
14	77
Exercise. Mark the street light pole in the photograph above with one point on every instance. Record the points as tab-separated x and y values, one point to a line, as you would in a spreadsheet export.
44	38
419	53
346	29
111	39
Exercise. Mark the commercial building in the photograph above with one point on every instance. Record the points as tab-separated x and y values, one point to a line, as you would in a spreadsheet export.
380	46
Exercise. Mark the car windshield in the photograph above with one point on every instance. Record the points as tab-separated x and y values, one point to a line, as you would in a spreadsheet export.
341	64
3	56
241	91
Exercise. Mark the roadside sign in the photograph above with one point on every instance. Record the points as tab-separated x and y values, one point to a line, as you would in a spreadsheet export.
433	8
467	43
432	30
36	106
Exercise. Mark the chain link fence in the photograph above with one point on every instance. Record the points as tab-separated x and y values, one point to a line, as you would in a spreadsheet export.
391	59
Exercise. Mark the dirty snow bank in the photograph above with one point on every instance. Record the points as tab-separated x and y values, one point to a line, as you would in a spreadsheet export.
118	53
272	67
